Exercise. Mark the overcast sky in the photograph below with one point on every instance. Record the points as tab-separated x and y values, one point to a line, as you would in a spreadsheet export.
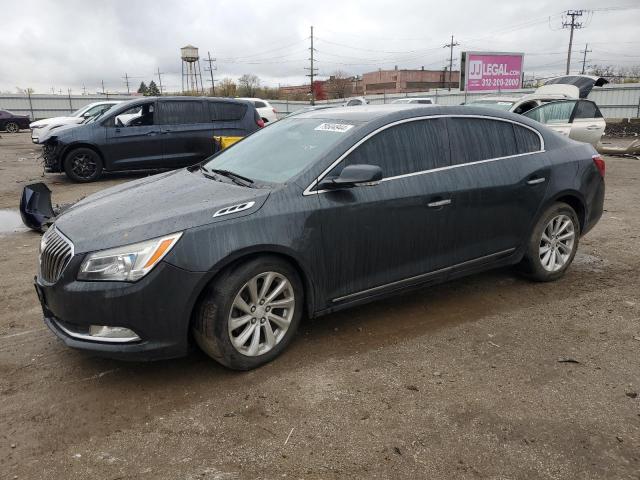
71	43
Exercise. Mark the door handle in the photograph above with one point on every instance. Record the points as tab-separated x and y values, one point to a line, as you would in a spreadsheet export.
150	134
439	203
593	127
536	181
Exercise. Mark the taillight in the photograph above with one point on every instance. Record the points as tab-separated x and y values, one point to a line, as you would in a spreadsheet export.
274	110
599	163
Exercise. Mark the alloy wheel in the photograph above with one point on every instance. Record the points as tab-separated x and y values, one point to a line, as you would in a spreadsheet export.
557	243
83	165
12	127
261	313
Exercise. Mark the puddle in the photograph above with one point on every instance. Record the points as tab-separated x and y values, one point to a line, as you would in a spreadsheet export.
10	221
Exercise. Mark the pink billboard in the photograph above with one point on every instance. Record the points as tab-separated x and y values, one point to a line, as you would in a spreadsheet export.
485	71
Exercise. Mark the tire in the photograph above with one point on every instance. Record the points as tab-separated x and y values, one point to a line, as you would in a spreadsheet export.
249	345
83	165
560	239
12	127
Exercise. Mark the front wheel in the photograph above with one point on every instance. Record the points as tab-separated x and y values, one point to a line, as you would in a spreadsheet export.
250	313
12	127
83	165
553	243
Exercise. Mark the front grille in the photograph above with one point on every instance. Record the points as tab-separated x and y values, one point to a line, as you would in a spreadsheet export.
56	252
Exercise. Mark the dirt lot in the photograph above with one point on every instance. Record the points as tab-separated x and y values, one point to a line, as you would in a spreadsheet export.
487	377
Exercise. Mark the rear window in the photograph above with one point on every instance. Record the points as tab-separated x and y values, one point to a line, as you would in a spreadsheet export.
180	113
587	110
527	140
475	139
260	104
227	111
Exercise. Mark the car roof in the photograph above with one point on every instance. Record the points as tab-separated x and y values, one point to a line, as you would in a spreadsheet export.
368	113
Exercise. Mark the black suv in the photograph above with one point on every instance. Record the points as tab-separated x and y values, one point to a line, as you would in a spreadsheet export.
163	132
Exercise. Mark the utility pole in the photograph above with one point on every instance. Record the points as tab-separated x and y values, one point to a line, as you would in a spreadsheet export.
211	68
126	81
84	89
102	81
160	80
584	58
312	70
572	25
450	47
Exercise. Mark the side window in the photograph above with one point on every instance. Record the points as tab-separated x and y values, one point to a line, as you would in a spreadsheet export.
136	116
475	139
586	109
351	103
427	102
181	113
527	140
226	111
259	104
553	112
406	148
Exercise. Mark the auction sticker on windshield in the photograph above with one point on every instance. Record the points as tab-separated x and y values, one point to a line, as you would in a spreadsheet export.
334	127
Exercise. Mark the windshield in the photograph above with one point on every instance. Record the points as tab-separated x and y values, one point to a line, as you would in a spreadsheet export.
501	104
283	150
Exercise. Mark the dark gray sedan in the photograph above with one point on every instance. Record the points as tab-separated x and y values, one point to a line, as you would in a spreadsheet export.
319	212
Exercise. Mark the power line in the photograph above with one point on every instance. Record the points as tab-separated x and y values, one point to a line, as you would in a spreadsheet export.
573	25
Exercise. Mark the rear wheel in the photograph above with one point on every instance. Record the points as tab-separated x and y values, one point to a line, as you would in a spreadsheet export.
553	243
12	127
250	313
83	165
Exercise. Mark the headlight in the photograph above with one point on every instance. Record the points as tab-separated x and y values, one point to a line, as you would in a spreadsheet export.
37	126
128	263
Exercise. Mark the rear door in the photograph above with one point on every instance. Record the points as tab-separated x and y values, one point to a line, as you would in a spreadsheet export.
555	115
498	179
133	138
187	135
587	123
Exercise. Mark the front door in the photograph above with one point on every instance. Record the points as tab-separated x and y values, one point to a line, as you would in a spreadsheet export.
134	140
380	236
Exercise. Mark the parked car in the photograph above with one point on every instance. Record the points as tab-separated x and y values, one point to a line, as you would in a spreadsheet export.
319	212
162	132
354	102
560	88
579	119
264	108
12	122
421	100
41	128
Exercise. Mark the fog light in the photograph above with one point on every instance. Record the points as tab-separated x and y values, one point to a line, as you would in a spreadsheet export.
116	333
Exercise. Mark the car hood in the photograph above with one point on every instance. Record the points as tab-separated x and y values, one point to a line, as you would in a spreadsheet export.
54	121
152	207
56	132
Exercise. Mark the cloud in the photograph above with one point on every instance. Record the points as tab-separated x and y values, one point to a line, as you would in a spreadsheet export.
71	43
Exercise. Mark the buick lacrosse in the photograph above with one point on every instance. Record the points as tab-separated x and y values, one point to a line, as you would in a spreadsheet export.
318	212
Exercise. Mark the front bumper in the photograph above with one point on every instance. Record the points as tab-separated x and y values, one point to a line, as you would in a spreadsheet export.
157	308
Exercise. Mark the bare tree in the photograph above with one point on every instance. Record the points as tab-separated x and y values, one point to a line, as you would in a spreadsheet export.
339	85
248	84
227	87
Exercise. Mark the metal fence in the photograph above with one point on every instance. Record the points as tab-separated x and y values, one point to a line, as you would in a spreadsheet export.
615	101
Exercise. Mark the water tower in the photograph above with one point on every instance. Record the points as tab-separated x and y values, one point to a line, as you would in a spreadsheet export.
191	72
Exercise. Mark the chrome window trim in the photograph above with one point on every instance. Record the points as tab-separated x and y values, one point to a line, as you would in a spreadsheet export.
309	190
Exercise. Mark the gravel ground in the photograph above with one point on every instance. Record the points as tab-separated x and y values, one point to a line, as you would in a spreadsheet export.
491	376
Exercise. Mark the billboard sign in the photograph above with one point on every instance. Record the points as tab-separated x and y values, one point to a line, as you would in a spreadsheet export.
490	71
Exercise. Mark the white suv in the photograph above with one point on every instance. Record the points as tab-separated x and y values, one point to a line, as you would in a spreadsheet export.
41	128
264	108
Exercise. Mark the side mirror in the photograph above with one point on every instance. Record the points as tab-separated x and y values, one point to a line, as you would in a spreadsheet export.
353	176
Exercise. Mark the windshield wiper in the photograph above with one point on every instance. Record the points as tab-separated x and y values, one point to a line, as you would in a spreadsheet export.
236	177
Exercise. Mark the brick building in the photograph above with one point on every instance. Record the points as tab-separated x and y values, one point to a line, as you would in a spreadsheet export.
404	81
